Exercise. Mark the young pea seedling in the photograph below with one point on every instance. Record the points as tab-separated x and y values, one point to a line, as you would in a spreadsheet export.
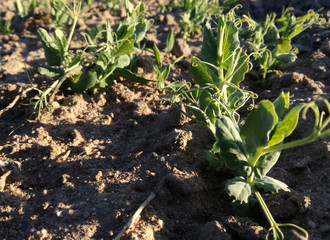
255	148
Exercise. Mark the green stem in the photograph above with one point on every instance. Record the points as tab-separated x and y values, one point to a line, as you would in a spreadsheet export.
277	233
313	137
71	32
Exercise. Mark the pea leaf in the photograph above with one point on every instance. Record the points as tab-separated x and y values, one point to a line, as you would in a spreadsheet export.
201	73
281	103
227	40
199	114
258	126
265	163
126	46
52	52
130	76
271	185
239	189
61	42
86	81
48	71
209	46
170	40
286	127
157	55
213	160
238	66
232	148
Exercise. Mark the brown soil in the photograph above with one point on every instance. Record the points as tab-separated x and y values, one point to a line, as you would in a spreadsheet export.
82	172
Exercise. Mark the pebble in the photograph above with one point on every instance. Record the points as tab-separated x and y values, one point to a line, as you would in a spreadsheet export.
325	228
312	224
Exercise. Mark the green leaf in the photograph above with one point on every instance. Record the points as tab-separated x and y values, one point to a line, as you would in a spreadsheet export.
265	163
209	46
169	42
142	28
258	126
86	81
208	105
49	72
238	67
130	76
201	73
61	41
232	149
157	55
122	61
213	160
281	103
124	31
52	52
199	114
286	127
126	46
271	185
287	57
228	40
239	189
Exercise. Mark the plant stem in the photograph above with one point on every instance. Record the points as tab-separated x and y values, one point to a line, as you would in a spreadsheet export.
277	233
311	138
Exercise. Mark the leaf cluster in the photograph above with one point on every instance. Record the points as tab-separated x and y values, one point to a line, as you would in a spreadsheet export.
24	10
271	39
106	55
216	79
196	13
163	71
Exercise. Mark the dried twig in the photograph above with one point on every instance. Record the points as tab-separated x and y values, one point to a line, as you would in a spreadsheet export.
135	216
12	104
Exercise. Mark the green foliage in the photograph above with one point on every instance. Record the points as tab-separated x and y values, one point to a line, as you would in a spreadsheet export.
255	148
23	10
135	20
60	16
197	12
216	79
170	40
162	72
271	40
107	53
5	26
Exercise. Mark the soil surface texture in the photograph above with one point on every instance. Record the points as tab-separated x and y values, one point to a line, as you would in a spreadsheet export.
82	172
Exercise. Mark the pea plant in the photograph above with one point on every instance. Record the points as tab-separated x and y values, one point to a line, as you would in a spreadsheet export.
250	150
216	87
254	148
162	72
24	10
59	15
217	78
197	12
107	54
272	38
5	26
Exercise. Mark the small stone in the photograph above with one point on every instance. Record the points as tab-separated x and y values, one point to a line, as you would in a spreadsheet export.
312	224
86	215
325	228
71	212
